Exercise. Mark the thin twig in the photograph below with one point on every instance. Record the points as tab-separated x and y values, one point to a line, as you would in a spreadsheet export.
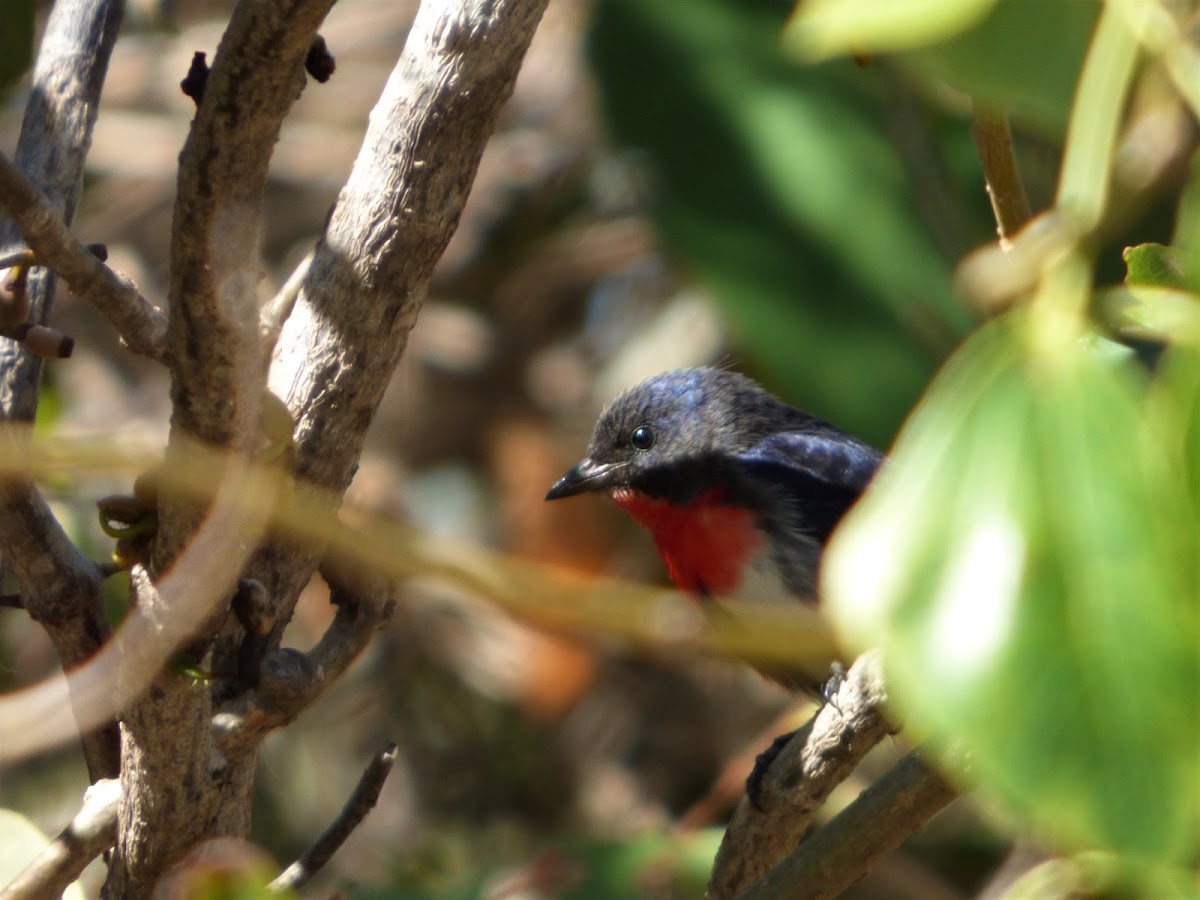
91	832
361	802
994	141
142	327
849	845
276	312
819	757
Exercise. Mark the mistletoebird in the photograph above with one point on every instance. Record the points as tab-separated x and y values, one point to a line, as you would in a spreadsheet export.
739	490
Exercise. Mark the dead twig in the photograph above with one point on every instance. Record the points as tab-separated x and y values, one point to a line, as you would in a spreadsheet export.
142	327
361	802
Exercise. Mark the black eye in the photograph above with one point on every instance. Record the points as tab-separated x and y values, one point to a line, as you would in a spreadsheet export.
642	437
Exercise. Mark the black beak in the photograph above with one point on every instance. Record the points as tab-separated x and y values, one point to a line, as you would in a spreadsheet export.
585	477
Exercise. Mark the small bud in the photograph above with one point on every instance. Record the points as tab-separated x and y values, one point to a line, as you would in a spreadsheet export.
49	343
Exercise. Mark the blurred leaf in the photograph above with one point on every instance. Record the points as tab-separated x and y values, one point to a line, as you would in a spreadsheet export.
1029	565
649	864
1154	265
824	28
20	842
1177	411
780	187
1024	58
1158	314
16	40
1186	239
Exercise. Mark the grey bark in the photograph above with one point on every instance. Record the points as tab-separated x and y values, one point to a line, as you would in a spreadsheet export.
60	587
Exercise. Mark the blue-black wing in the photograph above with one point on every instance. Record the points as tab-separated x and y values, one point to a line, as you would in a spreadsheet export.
819	474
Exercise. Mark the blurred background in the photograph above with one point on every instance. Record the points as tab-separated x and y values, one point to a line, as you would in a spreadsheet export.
666	188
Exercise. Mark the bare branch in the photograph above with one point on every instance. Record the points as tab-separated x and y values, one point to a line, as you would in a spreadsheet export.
61	588
361	802
276	312
994	141
881	818
51	150
291	681
142	327
91	832
819	757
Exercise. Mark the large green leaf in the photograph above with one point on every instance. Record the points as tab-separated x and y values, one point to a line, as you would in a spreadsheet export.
1029	564
779	186
1024	58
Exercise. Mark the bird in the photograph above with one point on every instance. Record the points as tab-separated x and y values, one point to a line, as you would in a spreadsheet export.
739	490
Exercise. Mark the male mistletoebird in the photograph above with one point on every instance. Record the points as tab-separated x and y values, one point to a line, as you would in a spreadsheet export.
739	490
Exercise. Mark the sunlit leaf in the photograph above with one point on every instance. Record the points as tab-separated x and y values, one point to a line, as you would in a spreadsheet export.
1153	265
1029	565
824	28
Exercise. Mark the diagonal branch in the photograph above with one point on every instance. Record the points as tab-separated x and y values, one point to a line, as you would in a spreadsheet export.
820	756
142	327
90	833
879	820
362	801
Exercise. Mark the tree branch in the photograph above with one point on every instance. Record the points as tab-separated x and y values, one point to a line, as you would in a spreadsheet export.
361	802
880	819
994	141
90	833
292	681
61	588
142	327
819	757
393	219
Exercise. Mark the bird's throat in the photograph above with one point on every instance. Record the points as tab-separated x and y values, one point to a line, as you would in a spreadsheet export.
706	544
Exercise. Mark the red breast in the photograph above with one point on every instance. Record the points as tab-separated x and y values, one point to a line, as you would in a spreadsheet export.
707	545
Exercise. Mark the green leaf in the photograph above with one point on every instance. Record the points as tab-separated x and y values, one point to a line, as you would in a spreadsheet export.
1154	265
781	189
824	28
16	40
1024	58
1028	562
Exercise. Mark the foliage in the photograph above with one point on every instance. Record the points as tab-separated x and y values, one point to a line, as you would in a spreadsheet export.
1029	558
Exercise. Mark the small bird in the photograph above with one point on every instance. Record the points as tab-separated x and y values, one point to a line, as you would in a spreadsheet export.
739	490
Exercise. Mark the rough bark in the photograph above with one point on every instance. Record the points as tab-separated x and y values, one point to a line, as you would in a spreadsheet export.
336	354
60	587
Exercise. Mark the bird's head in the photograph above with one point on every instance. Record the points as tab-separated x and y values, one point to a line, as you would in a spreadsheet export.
666	436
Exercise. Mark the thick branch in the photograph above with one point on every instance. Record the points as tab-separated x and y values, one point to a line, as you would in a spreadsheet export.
142	327
60	587
392	222
819	757
881	818
361	802
90	833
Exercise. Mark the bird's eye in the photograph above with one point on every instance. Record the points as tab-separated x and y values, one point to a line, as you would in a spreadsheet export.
642	437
